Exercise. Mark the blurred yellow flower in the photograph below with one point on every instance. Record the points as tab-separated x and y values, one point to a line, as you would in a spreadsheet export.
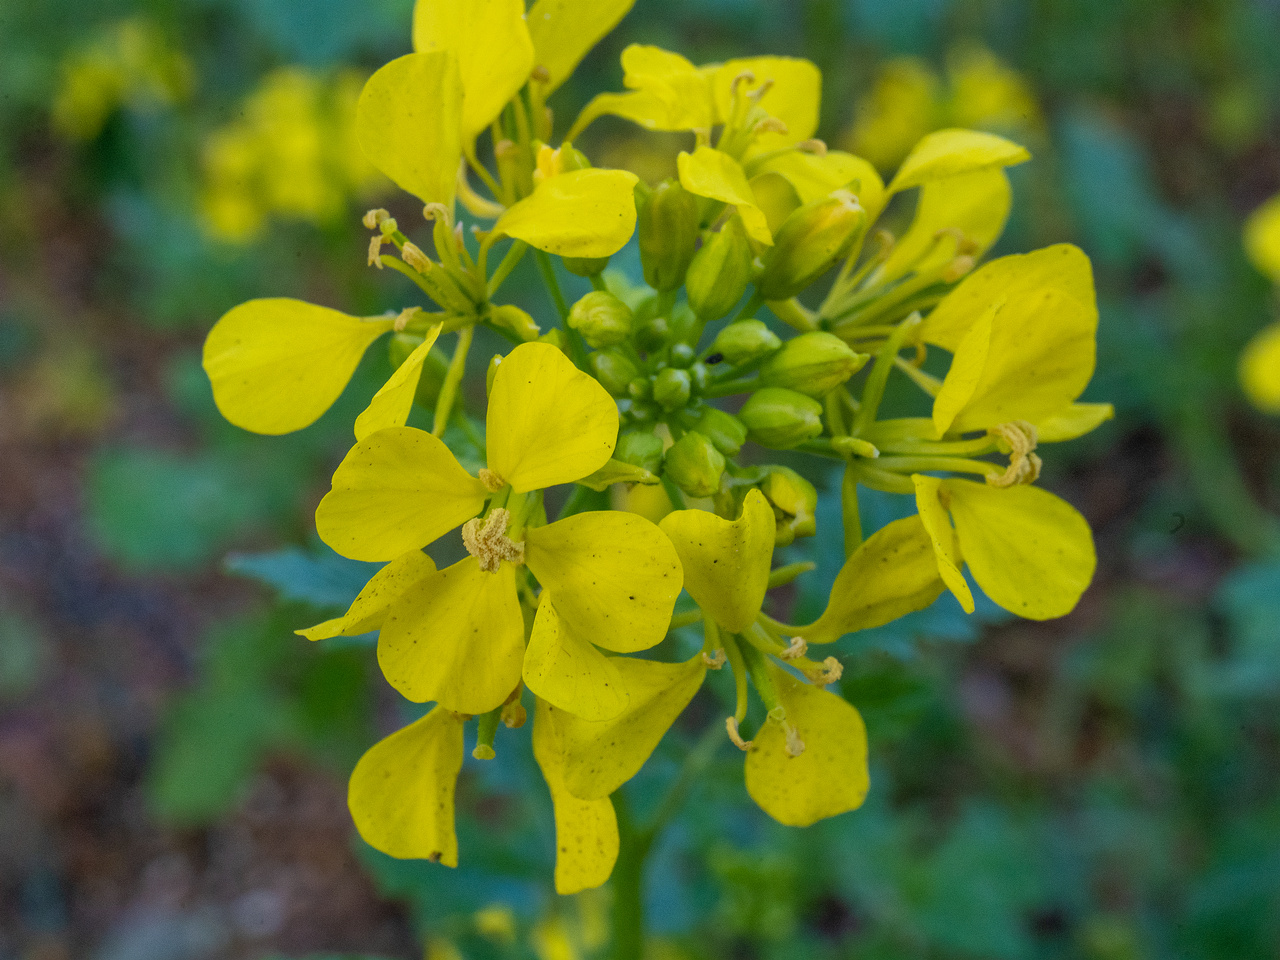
909	99
1260	361
130	64
291	152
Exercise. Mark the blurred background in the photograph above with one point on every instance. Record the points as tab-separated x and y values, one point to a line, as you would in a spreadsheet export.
173	759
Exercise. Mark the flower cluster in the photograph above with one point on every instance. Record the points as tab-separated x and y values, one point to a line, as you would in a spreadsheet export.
680	386
291	151
1260	362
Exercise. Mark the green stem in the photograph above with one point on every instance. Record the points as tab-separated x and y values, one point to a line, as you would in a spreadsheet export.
628	884
452	380
873	392
505	266
850	511
548	272
673	493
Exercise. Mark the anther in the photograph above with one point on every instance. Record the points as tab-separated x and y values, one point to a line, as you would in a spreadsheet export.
541	74
795	746
798	648
746	76
770	125
514	715
758	94
373	219
491	480
487	541
504	148
437	211
1024	464
731	725
405	316
957	268
715	661
832	670
412	254
375	250
814	146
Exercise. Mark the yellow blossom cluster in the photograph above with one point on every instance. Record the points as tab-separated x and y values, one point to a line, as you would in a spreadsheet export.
290	152
910	99
130	64
679	385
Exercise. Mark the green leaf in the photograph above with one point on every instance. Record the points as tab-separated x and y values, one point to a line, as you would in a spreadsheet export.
319	577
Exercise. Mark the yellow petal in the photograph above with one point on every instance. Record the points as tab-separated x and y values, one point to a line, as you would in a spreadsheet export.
667	92
614	577
893	573
709	173
401	792
1061	267
977	204
601	756
564	31
582	213
1029	356
776	198
390	406
586	830
938	525
814	176
794	97
568	672
456	638
370	606
830	777
1031	552
726	563
946	153
548	422
1262	238
1077	420
493	50
276	365
409	124
1260	369
396	490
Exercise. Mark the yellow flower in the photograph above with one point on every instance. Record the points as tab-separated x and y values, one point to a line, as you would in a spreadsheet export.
456	636
1260	361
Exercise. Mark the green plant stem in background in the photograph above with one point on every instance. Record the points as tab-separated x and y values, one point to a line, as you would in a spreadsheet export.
452	380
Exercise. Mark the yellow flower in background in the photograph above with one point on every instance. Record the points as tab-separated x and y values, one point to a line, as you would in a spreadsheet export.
292	152
457	635
1260	361
130	64
909	100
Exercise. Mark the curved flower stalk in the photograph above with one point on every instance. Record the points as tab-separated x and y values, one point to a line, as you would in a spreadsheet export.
622	387
1260	361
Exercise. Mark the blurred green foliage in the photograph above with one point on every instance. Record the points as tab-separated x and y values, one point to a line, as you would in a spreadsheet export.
1104	788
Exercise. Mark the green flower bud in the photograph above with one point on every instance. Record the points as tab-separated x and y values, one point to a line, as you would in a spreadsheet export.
494	362
641	388
671	388
685	325
720	272
601	318
585	266
808	244
434	367
668	232
744	341
614	370
681	354
555	337
794	503
640	448
642	411
814	363
698	373
695	465
726	431
781	418
510	317
653	334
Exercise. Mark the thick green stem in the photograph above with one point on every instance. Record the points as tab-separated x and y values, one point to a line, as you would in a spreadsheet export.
628	884
850	511
452	380
873	392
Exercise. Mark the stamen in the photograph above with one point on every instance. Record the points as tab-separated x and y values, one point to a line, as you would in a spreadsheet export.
832	670
1024	464
758	94
746	76
487	541
957	268
795	746
514	715
375	250
373	219
731	725
504	148
541	74
405	316
491	480
798	648
770	125
814	146
412	254
715	661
